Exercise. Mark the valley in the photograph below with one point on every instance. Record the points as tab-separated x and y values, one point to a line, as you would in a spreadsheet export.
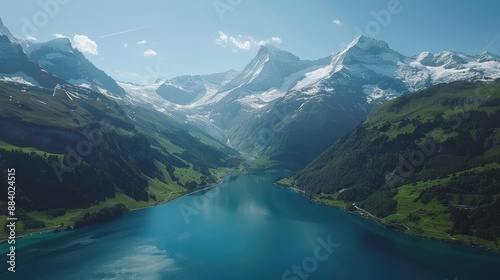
409	141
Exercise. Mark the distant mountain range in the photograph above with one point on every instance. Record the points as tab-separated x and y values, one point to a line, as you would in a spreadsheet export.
285	111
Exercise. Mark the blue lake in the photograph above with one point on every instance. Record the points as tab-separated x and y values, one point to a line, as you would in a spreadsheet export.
246	228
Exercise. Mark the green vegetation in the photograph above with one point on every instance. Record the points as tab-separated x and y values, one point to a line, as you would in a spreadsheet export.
40	132
263	163
285	182
427	163
103	215
331	200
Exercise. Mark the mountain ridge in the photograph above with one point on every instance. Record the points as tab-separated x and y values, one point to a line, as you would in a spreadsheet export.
59	57
342	87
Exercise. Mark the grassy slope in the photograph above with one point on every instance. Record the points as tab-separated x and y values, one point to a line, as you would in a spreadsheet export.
39	106
435	221
54	111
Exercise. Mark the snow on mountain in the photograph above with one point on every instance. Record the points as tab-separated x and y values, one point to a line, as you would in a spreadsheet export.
193	90
260	100
315	102
16	67
59	57
367	60
143	94
313	77
269	69
59	45
329	96
450	66
18	77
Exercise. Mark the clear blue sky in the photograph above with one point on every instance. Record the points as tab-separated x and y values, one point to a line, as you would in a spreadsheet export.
170	38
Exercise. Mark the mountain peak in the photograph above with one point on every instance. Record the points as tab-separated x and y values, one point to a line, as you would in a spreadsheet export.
63	44
269	48
276	53
62	41
364	42
59	44
4	31
487	56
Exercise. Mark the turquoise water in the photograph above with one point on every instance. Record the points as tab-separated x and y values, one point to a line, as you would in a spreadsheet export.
245	229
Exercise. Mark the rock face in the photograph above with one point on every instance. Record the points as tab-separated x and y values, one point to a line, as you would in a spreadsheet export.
15	65
184	90
59	57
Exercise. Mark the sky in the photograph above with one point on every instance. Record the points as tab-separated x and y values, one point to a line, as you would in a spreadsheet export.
140	41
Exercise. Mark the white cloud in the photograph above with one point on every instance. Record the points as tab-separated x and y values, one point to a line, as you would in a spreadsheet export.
242	42
337	22
81	42
142	42
125	45
31	38
59	36
84	44
149	52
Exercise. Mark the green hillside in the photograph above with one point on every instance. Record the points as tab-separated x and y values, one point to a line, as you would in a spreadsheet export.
76	152
427	162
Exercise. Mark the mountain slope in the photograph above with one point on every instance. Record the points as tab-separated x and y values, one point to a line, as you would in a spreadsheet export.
185	90
59	57
15	65
76	151
439	147
77	146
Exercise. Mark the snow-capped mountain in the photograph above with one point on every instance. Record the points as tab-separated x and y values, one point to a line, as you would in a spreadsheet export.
16	67
190	89
265	79
268	70
291	109
384	73
50	64
59	57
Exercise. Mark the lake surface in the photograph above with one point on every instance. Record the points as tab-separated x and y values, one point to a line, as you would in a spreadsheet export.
246	228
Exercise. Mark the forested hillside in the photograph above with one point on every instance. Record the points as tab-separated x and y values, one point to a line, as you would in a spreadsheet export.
432	154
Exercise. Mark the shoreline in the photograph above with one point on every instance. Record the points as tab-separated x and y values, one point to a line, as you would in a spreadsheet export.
359	212
63	228
365	214
44	231
218	183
